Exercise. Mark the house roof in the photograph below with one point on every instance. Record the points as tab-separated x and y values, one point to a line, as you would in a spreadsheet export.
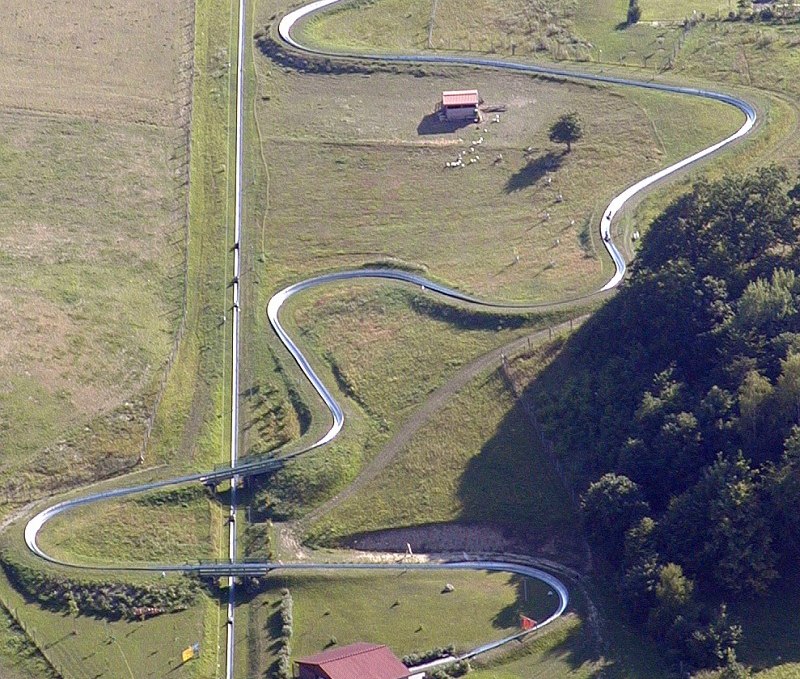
358	661
460	98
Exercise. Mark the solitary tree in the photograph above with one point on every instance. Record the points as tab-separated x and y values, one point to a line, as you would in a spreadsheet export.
566	129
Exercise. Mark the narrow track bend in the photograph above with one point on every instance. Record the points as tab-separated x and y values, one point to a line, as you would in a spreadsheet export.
237	469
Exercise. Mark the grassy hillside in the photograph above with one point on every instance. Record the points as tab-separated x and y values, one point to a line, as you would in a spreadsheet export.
345	172
475	461
342	140
101	286
408	611
167	527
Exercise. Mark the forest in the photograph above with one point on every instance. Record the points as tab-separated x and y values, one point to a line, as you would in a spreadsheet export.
676	411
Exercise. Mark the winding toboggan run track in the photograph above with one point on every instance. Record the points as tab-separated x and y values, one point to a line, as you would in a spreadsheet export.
248	467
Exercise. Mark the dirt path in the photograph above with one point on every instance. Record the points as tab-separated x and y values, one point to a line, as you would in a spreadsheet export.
439	398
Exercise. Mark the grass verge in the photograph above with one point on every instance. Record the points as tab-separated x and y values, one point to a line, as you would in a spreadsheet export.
190	425
475	461
81	647
171	527
409	611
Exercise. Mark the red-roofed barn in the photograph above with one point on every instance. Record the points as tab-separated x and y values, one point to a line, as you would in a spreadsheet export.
460	105
356	661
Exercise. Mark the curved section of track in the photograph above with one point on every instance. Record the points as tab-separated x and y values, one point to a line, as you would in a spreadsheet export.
257	466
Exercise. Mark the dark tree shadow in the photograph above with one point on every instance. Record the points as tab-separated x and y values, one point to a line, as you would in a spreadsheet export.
510	482
58	641
534	171
467	318
508	616
432	124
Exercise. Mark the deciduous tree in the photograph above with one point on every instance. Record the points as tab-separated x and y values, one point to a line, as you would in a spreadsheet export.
610	507
566	130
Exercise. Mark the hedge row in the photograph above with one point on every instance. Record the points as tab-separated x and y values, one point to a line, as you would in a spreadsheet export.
414	659
283	669
109	600
310	63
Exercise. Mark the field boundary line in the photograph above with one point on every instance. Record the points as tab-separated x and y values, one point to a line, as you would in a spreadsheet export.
238	469
181	330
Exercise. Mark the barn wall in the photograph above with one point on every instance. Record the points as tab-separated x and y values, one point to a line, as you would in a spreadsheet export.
467	113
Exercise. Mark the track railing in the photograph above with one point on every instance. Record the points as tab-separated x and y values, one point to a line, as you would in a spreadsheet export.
247	467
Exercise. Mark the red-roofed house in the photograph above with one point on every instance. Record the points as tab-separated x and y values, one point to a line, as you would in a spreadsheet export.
460	105
356	661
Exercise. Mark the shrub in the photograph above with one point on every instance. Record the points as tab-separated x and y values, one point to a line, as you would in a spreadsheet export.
283	665
413	659
457	669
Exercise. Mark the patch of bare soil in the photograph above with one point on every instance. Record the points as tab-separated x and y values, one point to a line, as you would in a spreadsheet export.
287	545
564	547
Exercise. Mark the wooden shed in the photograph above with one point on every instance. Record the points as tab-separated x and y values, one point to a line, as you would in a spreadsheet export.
356	661
460	105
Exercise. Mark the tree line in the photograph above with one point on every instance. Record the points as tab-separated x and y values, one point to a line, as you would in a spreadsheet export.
677	410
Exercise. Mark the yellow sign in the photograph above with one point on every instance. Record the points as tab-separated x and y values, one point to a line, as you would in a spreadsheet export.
187	655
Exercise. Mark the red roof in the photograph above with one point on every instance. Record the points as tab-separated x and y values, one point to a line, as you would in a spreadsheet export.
460	98
358	661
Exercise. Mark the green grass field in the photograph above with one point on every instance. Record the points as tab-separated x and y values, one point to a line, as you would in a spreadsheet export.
555	30
96	186
409	207
557	653
388	347
191	423
475	461
84	648
173	527
19	656
408	611
86	237
559	30
760	56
